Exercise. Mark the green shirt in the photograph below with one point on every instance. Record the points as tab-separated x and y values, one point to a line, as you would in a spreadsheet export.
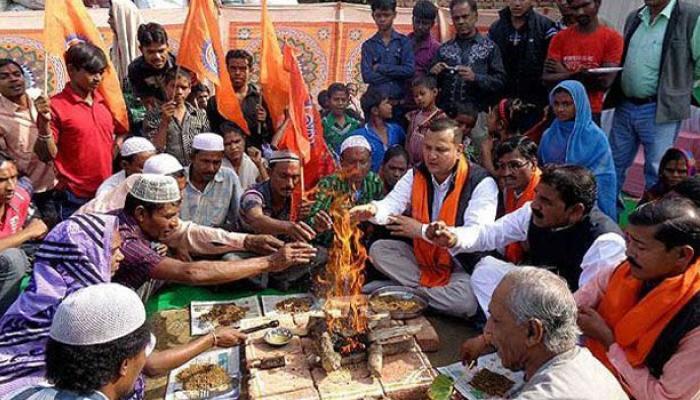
640	77
330	186
334	133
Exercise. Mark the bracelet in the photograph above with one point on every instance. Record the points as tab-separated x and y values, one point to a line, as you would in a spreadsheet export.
216	340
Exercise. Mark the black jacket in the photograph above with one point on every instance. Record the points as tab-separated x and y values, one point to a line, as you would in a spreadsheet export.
524	53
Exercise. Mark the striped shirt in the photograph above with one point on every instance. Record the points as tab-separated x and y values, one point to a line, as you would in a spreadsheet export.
179	135
139	257
51	393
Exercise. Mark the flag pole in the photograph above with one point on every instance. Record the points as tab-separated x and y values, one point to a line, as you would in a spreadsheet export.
46	72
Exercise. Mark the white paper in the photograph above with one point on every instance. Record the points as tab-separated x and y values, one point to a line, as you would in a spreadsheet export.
199	308
228	359
462	376
269	303
605	70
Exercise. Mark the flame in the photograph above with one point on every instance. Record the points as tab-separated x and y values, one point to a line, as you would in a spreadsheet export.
344	276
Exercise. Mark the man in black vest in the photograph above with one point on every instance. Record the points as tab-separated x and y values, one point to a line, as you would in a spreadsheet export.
430	191
643	318
561	228
653	93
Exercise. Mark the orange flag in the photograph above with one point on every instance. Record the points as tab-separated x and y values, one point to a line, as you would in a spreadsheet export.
201	52
274	80
304	133
67	22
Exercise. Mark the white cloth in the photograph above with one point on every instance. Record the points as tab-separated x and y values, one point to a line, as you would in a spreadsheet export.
396	260
480	211
574	374
161	3
248	174
110	183
125	47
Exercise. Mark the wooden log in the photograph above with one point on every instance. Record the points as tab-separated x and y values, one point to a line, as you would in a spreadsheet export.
388	333
330	359
375	359
397	347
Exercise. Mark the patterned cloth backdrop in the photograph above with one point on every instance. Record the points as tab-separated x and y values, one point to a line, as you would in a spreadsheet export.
329	36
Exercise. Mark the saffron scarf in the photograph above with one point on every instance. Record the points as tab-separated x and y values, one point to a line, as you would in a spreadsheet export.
637	323
515	252
435	262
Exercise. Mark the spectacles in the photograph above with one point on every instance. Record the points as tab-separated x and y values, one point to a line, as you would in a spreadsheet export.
513	165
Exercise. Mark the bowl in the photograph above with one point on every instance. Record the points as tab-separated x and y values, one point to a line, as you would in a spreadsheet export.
402	293
278	337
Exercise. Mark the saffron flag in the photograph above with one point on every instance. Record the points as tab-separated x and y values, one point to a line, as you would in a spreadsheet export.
274	80
201	52
304	133
67	22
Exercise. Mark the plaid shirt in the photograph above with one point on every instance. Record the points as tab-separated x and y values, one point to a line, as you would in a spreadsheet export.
217	205
179	136
334	133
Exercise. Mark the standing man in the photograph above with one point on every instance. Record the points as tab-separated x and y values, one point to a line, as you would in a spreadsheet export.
585	46
523	37
212	193
469	67
22	121
240	64
82	143
388	62
146	73
446	187
653	93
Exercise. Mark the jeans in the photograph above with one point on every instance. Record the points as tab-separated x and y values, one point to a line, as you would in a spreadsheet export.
67	204
634	125
13	264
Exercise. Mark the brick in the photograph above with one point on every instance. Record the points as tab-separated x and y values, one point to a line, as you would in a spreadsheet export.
256	350
428	338
285	382
337	387
303	394
406	376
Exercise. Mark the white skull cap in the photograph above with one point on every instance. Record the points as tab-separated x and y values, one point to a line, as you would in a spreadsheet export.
208	142
136	145
156	189
355	141
97	314
162	164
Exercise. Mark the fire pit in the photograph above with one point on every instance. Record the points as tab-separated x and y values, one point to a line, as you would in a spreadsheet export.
345	350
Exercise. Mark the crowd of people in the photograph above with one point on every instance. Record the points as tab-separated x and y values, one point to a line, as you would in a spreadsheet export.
476	168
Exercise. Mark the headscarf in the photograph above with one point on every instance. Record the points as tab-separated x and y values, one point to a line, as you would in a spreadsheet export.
581	142
125	48
74	255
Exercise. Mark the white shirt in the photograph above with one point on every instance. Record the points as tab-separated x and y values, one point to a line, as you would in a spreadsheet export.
574	374
606	252
111	182
248	174
481	210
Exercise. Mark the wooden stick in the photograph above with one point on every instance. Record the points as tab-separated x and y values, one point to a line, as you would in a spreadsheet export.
46	72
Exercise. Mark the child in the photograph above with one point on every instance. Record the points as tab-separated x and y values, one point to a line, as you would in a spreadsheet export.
424	94
199	96
387	61
502	122
467	116
338	123
675	166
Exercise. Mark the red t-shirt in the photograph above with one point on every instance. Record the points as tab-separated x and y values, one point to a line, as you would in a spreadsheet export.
84	135
579	51
15	213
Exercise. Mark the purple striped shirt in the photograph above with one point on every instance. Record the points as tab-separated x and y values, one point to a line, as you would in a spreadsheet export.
139	257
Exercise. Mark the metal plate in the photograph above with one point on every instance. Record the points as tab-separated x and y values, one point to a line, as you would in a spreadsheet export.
404	293
283	335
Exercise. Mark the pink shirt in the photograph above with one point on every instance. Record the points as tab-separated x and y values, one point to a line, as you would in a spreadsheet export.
15	213
681	375
18	133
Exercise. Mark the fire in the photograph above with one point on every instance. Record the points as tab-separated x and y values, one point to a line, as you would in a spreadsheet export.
345	306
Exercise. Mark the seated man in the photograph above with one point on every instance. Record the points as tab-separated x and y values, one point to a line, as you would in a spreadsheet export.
250	170
394	167
151	214
266	208
448	188
516	165
16	228
642	319
354	180
562	228
134	153
533	328
212	193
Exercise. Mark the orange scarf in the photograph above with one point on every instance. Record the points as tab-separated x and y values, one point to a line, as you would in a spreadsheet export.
637	323
515	252
435	262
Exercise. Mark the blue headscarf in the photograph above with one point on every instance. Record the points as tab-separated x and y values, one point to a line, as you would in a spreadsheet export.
581	142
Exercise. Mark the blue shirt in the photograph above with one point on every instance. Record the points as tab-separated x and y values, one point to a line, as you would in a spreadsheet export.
395	64
395	135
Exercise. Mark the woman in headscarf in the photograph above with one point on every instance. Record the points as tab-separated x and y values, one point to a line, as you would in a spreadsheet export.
675	166
80	252
573	138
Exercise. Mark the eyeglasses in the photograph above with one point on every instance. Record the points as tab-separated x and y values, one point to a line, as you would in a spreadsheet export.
513	165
